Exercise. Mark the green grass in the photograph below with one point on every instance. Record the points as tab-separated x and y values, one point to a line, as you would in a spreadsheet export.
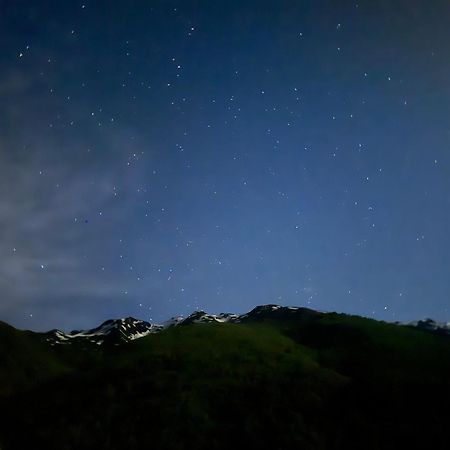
25	360
331	382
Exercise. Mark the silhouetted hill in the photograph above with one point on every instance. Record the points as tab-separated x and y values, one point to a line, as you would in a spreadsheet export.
274	378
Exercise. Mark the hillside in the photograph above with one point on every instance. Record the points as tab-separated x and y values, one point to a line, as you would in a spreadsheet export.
278	378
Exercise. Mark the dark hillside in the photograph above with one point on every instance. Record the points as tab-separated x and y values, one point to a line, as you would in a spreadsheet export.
280	381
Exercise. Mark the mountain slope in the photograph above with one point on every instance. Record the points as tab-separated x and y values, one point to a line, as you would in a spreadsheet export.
114	332
272	378
109	332
124	330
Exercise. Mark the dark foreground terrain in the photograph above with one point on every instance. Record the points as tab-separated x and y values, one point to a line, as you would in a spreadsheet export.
274	379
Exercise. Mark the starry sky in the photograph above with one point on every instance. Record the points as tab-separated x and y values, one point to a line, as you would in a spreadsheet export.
158	157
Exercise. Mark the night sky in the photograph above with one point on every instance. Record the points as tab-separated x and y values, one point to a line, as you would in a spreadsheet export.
158	157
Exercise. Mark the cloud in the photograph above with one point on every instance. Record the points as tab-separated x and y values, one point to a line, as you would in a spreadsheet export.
43	234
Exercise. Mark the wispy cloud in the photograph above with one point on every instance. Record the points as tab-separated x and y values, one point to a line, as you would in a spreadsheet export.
43	232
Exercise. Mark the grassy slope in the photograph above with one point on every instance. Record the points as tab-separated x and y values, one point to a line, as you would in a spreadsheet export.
25	360
332	382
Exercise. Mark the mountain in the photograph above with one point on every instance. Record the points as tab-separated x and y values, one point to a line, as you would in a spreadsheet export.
432	325
114	332
109	332
273	378
124	330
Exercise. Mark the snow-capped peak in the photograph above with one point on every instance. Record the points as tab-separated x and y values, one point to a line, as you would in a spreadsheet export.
203	317
113	331
431	325
128	329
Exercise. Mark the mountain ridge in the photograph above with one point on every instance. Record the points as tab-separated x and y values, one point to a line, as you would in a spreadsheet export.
122	330
274	378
